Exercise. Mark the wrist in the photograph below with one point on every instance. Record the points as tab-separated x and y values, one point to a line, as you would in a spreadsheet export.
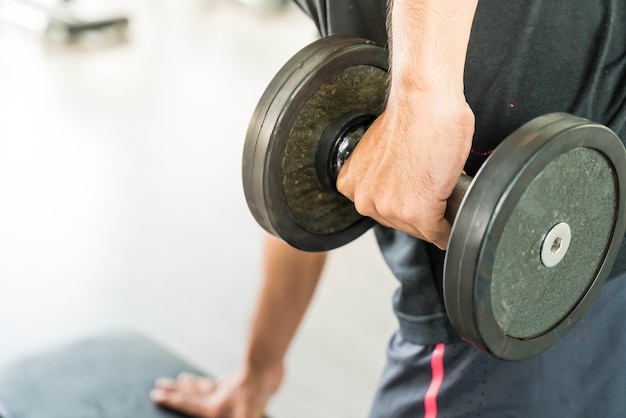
410	103
429	41
406	109
259	367
268	377
408	89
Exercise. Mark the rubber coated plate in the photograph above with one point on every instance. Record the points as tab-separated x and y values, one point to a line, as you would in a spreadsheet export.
557	169
325	80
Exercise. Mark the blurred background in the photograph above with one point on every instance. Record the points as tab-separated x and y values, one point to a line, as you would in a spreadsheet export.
121	205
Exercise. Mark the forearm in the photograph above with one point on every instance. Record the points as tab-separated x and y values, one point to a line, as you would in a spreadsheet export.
290	277
429	40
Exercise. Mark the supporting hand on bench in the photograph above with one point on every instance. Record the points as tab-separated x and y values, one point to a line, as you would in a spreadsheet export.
239	396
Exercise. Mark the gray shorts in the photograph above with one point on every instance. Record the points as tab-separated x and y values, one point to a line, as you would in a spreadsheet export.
584	375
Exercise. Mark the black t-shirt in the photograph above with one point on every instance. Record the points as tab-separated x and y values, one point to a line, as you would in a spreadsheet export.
525	59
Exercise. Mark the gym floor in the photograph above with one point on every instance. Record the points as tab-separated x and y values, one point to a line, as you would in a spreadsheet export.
122	206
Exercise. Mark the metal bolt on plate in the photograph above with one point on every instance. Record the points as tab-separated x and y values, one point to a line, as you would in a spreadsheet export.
555	244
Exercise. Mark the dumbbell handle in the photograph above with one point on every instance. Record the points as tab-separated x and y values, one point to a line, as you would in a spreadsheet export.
455	199
338	143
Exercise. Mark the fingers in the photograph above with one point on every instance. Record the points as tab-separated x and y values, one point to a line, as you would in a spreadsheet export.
425	223
196	383
186	382
197	396
419	215
182	402
189	394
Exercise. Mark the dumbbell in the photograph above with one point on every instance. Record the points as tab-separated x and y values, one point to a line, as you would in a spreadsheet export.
534	233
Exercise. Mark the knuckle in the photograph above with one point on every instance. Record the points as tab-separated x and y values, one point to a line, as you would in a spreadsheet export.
364	205
386	208
342	185
415	217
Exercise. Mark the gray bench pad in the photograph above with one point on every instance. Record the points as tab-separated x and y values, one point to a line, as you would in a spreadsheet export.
104	377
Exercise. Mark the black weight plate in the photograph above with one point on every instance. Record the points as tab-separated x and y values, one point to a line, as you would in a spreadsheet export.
498	294
323	81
